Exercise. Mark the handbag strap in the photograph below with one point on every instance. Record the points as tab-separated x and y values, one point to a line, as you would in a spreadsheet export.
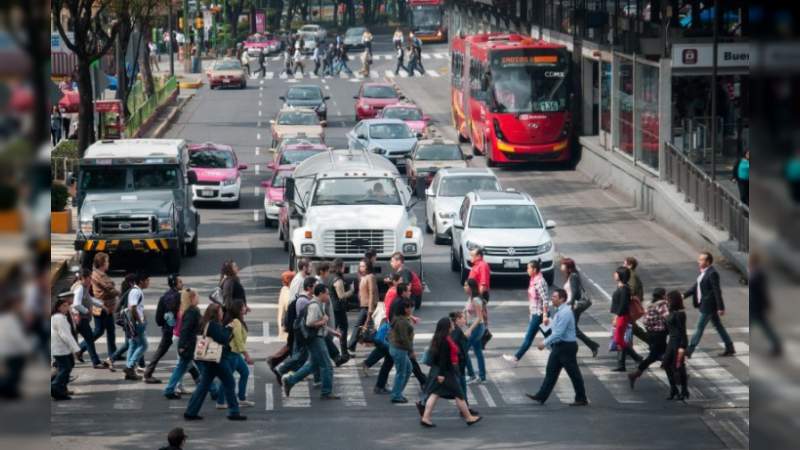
205	331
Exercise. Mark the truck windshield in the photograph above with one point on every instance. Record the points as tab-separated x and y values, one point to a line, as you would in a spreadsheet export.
505	216
528	81
356	191
103	178
155	177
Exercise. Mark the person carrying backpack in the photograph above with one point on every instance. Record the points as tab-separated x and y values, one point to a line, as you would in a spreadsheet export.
136	325
292	321
117	319
166	315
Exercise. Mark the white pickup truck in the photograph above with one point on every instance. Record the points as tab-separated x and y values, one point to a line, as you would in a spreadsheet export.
345	202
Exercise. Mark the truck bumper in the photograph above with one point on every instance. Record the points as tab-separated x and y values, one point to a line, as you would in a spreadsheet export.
145	245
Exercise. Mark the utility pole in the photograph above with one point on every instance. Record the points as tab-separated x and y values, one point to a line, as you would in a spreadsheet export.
715	25
187	32
171	42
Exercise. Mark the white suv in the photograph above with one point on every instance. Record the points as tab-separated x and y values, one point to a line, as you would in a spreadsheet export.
447	191
509	227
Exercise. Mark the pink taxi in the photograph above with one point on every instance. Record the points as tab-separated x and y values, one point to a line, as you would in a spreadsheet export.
273	193
218	173
410	114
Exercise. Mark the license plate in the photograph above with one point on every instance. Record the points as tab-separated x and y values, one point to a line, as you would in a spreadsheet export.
206	193
511	264
353	268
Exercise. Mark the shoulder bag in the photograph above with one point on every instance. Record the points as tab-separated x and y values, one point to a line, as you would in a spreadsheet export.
207	349
216	295
585	302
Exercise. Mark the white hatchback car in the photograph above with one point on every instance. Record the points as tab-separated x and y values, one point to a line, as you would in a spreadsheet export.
509	227
446	193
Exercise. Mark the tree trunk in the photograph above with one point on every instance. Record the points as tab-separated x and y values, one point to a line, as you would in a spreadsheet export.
367	11
351	13
123	38
290	14
38	51
85	107
336	14
147	70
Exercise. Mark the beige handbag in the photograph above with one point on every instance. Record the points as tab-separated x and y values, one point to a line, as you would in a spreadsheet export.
207	349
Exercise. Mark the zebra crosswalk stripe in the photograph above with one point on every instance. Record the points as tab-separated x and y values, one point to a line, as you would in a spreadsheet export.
389	74
432	73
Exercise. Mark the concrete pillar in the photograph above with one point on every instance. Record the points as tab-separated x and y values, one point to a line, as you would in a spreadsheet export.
588	97
664	111
614	101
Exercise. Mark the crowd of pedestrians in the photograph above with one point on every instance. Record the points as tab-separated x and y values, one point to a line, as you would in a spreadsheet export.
312	316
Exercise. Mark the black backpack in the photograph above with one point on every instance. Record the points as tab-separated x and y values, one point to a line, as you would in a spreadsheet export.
290	316
302	333
121	307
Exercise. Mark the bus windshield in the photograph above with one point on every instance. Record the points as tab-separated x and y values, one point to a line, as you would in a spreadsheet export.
528	81
426	17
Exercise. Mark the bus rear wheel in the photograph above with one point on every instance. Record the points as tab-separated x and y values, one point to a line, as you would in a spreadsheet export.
489	161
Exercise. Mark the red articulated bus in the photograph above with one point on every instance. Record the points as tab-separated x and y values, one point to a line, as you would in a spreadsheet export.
510	96
426	20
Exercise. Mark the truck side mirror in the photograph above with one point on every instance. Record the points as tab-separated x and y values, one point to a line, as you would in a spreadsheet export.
288	194
192	177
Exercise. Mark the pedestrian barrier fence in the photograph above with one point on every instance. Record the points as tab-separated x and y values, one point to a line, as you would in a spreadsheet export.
145	108
719	207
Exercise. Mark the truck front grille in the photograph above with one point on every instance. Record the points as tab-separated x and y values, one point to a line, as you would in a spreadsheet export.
357	242
514	251
108	225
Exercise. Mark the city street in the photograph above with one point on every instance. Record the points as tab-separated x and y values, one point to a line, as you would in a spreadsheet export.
595	227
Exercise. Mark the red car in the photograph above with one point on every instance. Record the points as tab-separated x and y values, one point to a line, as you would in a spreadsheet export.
295	153
373	97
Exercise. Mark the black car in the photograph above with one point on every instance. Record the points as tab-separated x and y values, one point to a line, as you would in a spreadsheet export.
307	96
353	38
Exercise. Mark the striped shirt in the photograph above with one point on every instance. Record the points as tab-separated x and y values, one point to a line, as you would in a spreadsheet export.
537	294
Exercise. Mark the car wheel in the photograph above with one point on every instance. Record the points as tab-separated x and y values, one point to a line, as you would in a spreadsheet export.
173	261
191	249
428	228
436	239
464	271
489	161
453	261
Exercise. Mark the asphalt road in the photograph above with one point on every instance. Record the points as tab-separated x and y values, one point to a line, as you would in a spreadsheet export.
595	228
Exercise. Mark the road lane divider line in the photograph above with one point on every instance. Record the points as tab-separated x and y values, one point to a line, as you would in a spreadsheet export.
258	136
255	191
255	215
257	169
265	328
269	402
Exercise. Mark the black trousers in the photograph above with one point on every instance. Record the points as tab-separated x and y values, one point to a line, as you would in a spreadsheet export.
675	375
744	191
564	355
658	345
639	332
104	323
580	334
340	315
399	66
362	319
85	330
387	365
163	347
58	385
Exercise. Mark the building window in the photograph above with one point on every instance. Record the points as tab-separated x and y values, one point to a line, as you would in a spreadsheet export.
605	96
647	121
624	138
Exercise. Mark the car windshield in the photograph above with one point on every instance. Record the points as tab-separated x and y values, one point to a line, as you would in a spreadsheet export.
279	179
103	178
356	191
212	159
296	156
304	93
228	65
402	113
354	32
525	81
379	92
505	216
155	177
461	186
298	118
438	153
389	131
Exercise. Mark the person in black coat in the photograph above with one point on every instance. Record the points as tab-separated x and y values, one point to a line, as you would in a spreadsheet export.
707	296
166	314
760	303
443	377
620	310
674	362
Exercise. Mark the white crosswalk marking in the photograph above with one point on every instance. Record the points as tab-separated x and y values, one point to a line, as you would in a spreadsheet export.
348	384
426	56
269	402
432	73
615	383
730	389
276	58
373	74
438	56
487	397
301	396
504	381
742	352
269	75
403	74
563	390
389	74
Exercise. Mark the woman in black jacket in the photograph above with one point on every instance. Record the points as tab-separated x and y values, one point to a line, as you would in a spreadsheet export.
187	326
211	326
443	378
674	362
229	283
620	308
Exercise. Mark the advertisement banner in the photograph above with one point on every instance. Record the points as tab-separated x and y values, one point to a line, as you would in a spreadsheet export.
261	20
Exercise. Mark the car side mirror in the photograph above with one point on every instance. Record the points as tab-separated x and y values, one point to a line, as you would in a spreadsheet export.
282	98
401	97
361	137
242	166
191	177
419	135
550	224
266	183
429	193
458	224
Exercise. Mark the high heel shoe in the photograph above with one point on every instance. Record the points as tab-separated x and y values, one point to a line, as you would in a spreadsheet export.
426	424
684	396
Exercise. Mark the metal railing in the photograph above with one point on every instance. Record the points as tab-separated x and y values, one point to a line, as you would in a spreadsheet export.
145	109
719	207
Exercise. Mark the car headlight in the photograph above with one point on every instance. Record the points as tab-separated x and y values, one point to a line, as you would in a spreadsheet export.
446	215
471	245
546	247
308	249
87	226
409	248
229	182
379	151
164	224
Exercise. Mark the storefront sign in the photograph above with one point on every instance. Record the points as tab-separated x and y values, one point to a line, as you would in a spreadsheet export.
103	106
691	56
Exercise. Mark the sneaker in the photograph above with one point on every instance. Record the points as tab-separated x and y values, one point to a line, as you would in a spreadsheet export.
330	396
151	380
131	375
221	406
481	381
400	400
192	418
511	359
380	391
364	370
246	403
342	360
316	384
287	388
184	391
472	380
274	370
79	357
173	396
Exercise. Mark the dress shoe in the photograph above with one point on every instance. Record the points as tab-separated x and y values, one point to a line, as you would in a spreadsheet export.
287	388
79	357
59	398
426	424
420	408
277	374
342	360
477	419
173	396
619	369
579	403
684	395
595	350
192	418
130	375
237	417
727	352
673	395
330	396
400	400
633	376
535	398
151	380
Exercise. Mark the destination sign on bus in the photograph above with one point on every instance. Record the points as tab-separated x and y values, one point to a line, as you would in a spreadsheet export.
527	60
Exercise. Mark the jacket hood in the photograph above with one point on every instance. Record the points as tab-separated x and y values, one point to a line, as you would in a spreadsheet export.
383	217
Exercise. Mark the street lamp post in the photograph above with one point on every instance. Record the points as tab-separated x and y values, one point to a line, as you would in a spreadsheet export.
187	46
715	25
170	42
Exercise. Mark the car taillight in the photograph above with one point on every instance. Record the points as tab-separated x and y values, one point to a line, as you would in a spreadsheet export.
497	131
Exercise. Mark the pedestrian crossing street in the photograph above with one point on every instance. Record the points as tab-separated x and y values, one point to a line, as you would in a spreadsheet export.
712	385
355	56
355	77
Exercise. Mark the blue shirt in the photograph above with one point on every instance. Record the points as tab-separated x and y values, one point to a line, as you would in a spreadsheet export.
563	327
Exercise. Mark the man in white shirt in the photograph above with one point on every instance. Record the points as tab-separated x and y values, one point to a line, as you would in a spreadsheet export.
303	271
82	304
135	313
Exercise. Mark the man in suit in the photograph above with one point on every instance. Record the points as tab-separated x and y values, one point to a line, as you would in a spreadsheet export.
707	296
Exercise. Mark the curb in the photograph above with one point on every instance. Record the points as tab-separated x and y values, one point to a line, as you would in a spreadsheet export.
145	127
164	126
190	84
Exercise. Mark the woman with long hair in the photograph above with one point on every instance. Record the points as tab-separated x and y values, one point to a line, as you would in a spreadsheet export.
126	285
475	313
620	310
674	361
367	298
443	377
229	283
187	327
239	356
283	334
211	326
578	301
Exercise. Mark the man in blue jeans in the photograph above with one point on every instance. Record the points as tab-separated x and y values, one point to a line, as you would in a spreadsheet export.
537	307
707	296
317	324
138	341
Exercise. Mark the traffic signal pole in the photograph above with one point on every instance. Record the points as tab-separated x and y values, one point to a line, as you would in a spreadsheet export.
187	45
